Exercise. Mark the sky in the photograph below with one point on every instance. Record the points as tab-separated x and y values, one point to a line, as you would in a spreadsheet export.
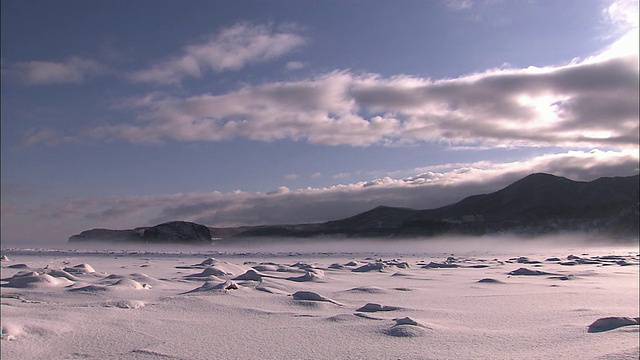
118	114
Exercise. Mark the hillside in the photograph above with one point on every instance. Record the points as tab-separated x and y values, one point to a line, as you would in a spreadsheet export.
539	203
543	196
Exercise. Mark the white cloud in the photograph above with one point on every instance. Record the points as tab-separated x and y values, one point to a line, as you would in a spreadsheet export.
342	175
586	104
625	46
291	176
74	70
231	49
46	136
458	4
295	65
623	13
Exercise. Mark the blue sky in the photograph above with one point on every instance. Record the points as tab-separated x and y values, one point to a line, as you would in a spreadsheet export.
120	114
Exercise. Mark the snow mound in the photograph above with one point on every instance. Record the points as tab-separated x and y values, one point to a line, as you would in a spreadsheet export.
311	275
301	265
125	304
490	281
405	331
18	266
10	331
209	261
399	274
205	278
272	286
32	279
562	277
611	323
126	283
250	274
370	267
397	263
312	296
23	273
210	271
373	307
265	267
406	327
435	265
527	272
144	279
406	321
340	318
80	269
209	286
62	274
368	289
90	289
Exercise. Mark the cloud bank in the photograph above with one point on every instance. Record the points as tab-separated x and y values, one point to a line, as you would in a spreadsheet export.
231	49
589	103
74	70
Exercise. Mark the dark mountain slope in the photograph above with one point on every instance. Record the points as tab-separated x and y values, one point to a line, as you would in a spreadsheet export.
379	217
539	203
543	196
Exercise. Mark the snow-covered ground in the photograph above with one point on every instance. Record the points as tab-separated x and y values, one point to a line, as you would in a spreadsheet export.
355	304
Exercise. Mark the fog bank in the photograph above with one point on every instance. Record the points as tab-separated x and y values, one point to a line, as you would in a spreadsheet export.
437	246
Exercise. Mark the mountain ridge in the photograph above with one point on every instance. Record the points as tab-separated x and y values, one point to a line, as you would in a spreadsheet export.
539	203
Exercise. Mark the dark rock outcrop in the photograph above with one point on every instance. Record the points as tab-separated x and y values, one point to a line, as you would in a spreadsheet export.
103	235
170	232
173	231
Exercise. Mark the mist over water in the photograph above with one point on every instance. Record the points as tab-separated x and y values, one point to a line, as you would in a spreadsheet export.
435	246
507	244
